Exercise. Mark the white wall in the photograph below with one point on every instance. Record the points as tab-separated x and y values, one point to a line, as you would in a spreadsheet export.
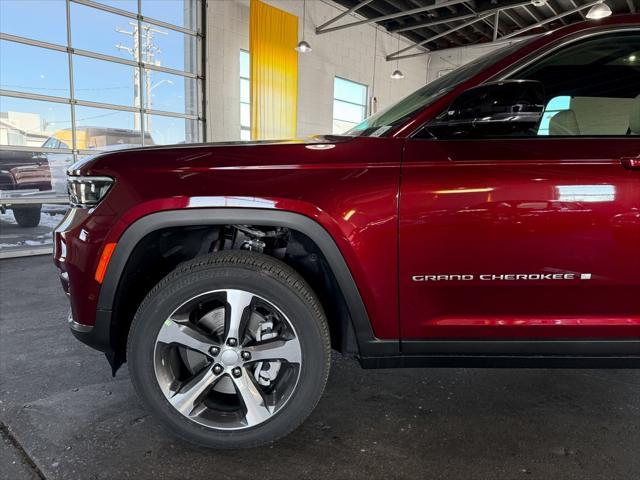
442	61
347	53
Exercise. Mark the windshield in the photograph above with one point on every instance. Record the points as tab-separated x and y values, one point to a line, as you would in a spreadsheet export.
377	125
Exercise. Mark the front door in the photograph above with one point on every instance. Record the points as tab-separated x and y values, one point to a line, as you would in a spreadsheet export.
534	237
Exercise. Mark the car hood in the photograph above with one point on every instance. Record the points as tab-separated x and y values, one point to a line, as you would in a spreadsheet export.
220	154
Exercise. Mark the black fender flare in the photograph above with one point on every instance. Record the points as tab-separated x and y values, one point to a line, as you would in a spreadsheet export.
368	344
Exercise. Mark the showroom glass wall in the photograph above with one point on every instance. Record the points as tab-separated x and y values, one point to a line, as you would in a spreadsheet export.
83	76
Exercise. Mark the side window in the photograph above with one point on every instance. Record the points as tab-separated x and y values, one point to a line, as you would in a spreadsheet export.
555	105
592	87
587	88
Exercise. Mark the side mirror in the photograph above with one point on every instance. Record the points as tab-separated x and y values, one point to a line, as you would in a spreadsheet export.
505	108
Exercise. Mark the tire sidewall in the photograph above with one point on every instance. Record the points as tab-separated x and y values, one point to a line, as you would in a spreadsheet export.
27	216
306	320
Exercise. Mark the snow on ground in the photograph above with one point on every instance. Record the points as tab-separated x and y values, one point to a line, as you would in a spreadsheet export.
13	237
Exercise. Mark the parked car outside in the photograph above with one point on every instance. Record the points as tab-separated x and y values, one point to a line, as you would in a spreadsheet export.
25	175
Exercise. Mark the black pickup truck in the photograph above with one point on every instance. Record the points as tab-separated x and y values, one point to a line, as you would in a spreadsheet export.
23	174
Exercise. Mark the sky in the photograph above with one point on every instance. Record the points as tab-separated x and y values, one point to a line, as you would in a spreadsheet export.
46	71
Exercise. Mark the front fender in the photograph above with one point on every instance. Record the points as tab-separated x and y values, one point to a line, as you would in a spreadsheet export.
368	344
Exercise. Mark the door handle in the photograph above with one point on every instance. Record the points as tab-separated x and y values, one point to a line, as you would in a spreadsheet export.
630	163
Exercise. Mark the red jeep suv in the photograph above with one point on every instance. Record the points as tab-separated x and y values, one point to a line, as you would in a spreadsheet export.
491	218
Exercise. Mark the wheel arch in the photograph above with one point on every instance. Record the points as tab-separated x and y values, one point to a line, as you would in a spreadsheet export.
367	343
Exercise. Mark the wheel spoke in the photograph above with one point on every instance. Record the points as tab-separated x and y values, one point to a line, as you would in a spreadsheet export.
173	332
192	393
190	359
288	350
238	301
256	409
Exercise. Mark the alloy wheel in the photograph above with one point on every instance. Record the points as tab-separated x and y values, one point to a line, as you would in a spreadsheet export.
227	359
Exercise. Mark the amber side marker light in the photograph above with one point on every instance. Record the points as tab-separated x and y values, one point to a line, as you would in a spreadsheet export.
104	262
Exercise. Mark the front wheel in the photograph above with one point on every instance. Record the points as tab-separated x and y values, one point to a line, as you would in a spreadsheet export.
27	216
230	350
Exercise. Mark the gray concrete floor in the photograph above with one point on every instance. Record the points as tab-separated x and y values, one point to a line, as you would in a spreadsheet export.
14	238
64	417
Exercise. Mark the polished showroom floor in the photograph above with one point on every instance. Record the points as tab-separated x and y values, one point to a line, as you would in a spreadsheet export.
64	416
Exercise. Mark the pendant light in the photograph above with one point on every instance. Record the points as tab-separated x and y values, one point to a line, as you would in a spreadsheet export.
303	46
397	74
601	10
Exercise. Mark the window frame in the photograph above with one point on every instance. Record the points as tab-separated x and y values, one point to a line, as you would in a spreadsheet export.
244	128
510	73
199	35
365	106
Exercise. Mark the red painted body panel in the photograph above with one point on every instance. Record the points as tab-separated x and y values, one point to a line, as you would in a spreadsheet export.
528	206
350	189
355	189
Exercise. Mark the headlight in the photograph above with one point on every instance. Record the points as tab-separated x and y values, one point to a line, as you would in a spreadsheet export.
87	192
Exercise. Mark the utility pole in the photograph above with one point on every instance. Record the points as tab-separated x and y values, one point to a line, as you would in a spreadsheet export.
146	51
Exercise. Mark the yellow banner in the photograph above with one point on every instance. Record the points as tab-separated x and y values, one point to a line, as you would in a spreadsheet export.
273	35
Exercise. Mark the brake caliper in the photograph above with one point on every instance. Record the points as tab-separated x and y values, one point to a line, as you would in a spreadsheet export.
266	372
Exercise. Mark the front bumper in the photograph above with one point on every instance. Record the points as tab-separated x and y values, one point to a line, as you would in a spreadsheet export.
96	336
78	240
77	245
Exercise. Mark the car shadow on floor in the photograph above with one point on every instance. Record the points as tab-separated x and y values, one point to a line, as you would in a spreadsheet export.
452	423
73	420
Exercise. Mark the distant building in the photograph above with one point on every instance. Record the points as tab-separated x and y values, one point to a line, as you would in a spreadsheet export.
23	129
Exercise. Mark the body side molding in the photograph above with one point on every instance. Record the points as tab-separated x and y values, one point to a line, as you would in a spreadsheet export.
524	347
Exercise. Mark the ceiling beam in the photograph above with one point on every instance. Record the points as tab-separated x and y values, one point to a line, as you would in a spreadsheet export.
554	11
391	16
344	14
535	17
486	20
551	19
516	21
468	36
397	55
462	16
417	35
575	5
439	21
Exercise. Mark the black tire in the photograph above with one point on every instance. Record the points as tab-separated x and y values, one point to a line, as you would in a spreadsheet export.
27	216
261	275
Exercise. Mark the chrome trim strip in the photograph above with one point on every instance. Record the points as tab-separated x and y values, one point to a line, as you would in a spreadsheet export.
512	69
579	36
78	327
